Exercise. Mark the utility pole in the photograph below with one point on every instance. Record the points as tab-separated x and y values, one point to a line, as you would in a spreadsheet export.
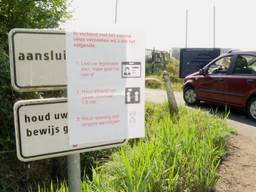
186	33
214	27
116	11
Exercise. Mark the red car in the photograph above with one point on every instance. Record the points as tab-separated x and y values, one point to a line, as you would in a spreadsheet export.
229	79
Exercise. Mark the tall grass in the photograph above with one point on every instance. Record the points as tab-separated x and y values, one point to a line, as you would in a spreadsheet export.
180	153
54	187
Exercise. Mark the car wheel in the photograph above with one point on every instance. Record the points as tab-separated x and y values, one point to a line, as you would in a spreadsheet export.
189	95
251	109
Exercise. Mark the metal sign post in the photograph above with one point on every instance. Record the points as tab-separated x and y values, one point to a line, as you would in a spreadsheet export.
74	169
74	172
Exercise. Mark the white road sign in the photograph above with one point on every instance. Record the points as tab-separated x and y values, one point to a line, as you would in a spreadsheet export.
38	59
41	128
105	84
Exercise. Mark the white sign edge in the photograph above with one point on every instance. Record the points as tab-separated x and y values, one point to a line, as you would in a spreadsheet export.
58	154
11	42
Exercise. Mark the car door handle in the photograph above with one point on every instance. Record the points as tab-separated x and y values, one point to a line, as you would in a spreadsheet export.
249	81
220	79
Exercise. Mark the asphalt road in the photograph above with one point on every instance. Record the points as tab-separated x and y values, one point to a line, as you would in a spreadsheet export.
236	119
159	96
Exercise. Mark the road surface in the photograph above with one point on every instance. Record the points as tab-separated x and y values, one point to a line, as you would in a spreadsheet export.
159	96
237	171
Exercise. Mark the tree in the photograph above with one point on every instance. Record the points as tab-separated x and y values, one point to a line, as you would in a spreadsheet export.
30	14
20	14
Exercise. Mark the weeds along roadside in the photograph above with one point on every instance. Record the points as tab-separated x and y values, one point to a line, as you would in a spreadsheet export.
180	153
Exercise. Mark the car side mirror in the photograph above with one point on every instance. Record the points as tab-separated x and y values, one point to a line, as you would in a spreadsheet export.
203	71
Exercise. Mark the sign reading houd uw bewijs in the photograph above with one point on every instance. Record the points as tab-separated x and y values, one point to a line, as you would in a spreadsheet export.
41	128
38	59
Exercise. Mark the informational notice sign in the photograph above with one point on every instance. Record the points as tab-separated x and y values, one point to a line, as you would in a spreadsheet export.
38	59
42	131
105	85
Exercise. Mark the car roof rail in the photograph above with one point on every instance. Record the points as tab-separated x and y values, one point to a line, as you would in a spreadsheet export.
233	50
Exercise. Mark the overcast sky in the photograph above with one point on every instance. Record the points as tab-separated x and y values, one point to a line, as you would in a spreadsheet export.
164	20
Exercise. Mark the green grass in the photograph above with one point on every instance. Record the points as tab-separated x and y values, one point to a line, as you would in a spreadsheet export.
177	86
57	187
180	153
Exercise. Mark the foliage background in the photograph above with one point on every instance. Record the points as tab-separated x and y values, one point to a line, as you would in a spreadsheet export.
15	175
154	72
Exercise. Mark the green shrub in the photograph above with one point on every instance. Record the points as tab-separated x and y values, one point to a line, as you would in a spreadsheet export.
154	80
173	69
181	153
153	83
16	175
177	86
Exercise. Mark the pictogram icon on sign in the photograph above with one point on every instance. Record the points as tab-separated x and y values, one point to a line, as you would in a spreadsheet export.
132	95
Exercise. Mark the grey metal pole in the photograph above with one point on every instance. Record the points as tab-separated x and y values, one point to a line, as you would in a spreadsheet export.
214	27
186	33
74	169
116	11
74	173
